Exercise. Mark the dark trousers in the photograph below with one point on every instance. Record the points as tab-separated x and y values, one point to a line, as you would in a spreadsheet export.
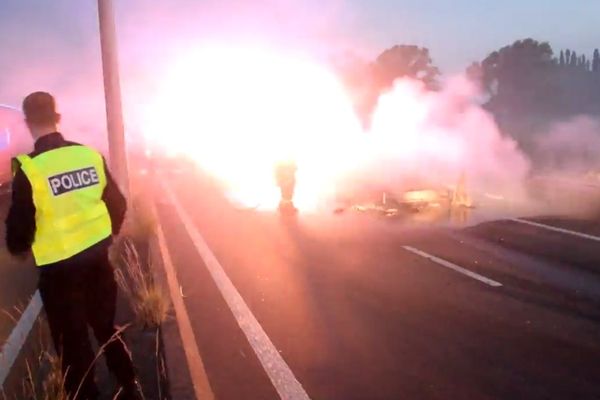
78	293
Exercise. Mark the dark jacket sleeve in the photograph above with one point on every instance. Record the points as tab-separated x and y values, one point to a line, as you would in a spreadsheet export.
20	222
115	202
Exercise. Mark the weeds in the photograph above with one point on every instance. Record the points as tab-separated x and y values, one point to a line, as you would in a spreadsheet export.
115	336
54	384
147	299
44	380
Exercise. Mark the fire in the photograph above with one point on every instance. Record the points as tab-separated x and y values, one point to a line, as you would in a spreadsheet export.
239	111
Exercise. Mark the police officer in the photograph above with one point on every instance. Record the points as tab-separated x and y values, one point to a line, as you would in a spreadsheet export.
65	209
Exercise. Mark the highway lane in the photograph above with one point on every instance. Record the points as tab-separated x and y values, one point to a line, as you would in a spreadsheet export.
356	316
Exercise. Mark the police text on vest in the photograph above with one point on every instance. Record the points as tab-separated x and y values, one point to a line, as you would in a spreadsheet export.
73	180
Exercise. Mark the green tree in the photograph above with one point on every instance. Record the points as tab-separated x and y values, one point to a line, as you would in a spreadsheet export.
366	81
561	61
518	76
573	62
475	72
405	61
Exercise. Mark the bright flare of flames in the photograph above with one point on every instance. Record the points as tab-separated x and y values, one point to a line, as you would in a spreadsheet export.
239	112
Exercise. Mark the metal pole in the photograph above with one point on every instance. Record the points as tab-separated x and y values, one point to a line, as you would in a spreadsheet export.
112	94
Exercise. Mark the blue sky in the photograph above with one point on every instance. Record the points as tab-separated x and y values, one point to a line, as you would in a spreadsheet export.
460	31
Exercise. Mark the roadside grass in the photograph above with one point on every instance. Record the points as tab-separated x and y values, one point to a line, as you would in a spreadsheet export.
52	386
45	379
148	300
41	362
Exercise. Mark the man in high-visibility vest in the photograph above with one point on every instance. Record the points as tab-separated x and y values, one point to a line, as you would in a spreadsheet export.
65	209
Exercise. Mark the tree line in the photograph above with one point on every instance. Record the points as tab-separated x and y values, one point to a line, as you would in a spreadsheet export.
525	79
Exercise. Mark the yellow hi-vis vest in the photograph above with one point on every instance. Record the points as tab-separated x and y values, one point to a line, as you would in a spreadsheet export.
70	216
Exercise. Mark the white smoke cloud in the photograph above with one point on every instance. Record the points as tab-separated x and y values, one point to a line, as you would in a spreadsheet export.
421	139
569	147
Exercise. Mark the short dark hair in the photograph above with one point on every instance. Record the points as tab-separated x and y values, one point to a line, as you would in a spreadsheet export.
40	108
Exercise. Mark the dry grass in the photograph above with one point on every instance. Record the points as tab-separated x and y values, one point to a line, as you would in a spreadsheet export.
44	378
148	300
53	385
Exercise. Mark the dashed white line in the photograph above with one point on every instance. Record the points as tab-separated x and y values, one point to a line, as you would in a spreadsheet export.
556	229
280	374
18	336
453	267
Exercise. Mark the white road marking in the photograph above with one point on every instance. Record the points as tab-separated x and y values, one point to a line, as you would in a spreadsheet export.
280	374
18	336
556	229
453	267
200	381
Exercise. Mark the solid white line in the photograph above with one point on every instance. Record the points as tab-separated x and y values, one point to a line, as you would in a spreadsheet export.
556	229
200	381
18	336
453	267
280	374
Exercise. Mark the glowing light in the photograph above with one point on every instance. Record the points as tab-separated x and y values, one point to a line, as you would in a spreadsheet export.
238	112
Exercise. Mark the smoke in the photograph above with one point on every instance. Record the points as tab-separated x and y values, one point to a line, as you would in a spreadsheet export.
436	138
421	139
569	147
417	138
63	57
60	58
567	168
238	111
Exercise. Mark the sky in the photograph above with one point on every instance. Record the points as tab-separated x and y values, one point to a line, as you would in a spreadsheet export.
54	44
457	31
461	31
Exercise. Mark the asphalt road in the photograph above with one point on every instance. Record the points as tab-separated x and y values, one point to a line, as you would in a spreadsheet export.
355	315
18	282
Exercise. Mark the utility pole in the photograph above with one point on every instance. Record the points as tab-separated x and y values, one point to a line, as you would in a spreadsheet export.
112	94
